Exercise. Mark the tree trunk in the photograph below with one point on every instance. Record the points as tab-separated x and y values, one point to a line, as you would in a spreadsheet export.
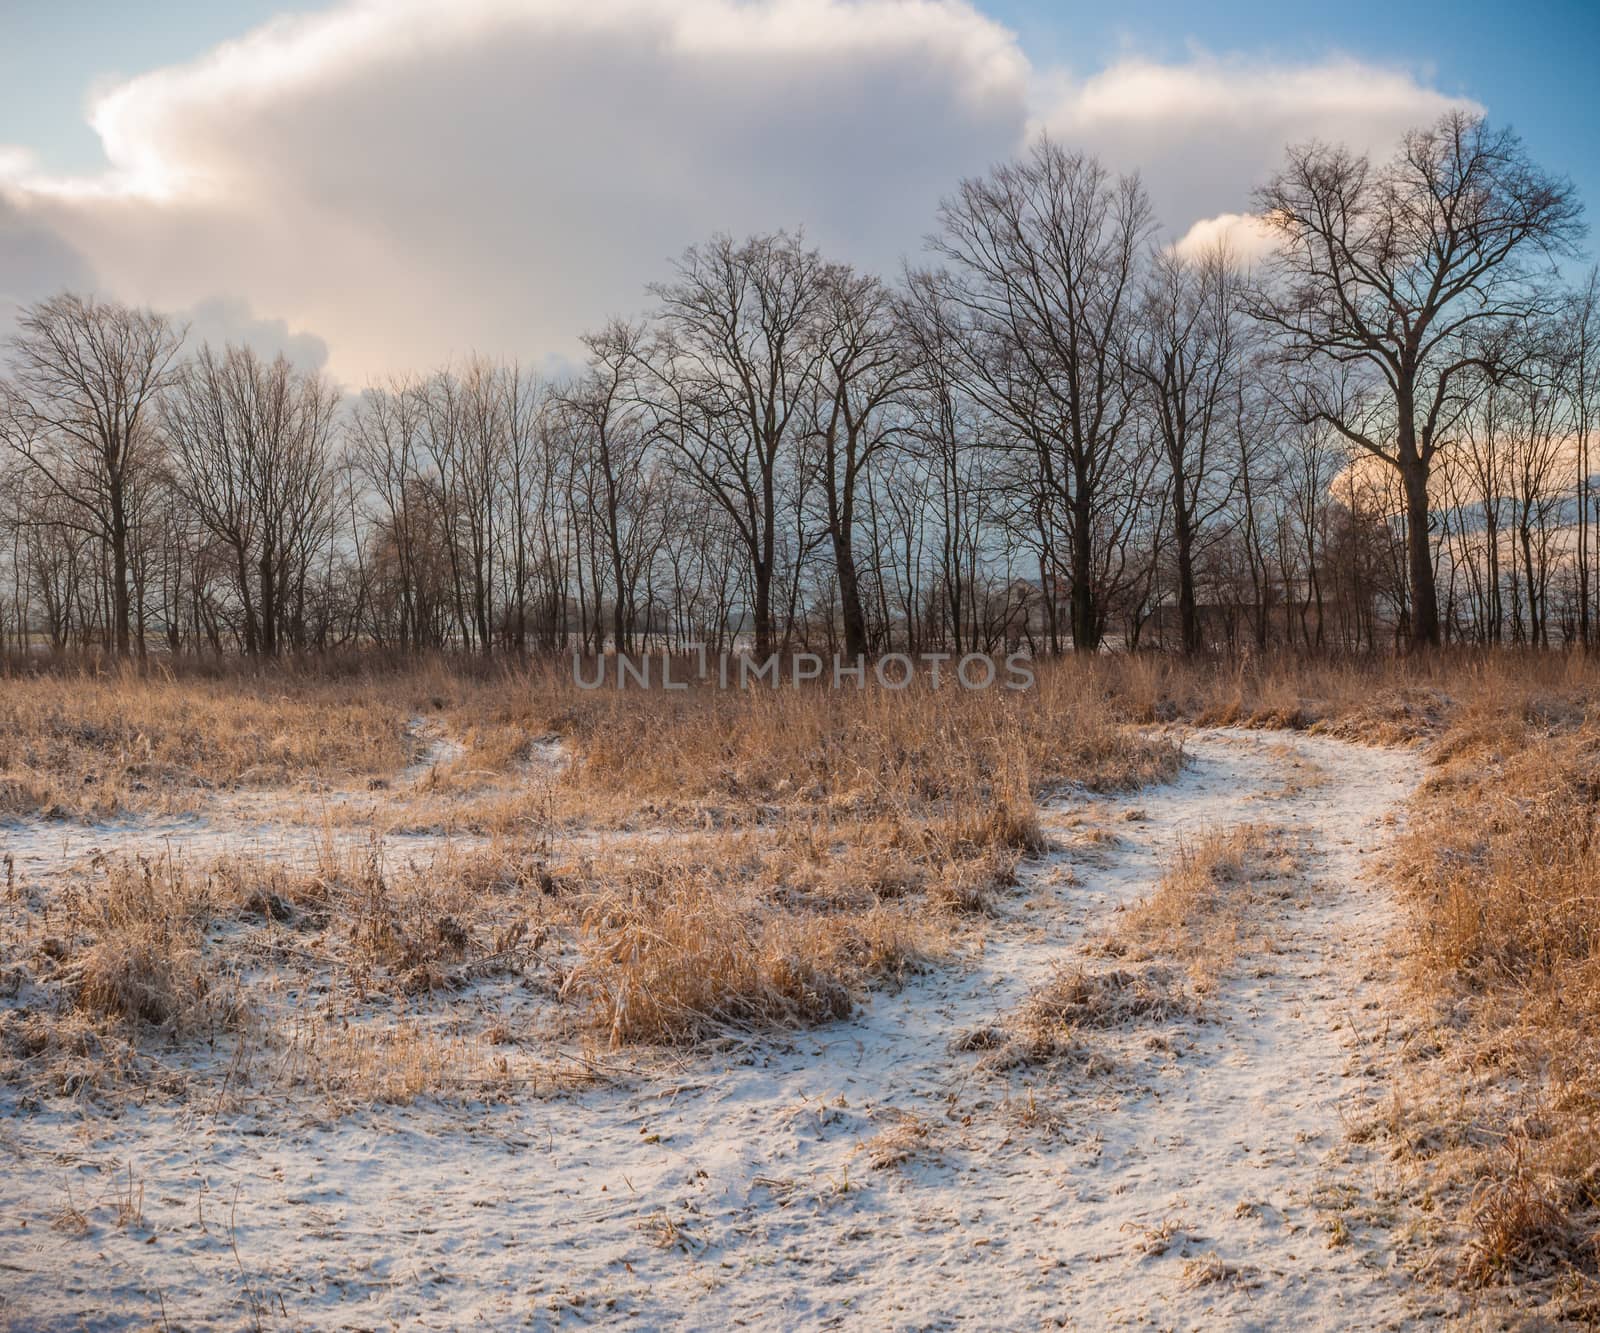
1188	615
121	607
763	610
855	619
1085	624
1419	553
269	606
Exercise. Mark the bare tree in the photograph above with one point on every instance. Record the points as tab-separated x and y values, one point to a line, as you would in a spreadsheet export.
1042	257
85	376
865	369
611	430
737	357
384	451
250	445
1187	353
1583	329
1401	272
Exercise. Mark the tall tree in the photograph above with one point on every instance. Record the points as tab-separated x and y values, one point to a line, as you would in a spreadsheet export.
603	412
85	376
1042	258
736	361
865	369
1583	325
250	445
1401	272
1187	353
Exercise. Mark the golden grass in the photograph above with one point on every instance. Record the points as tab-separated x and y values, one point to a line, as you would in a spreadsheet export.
133	970
670	955
89	746
1500	869
907	1137
1198	912
1377	699
640	940
751	756
848	836
1506	916
1170	949
751	862
133	951
86	745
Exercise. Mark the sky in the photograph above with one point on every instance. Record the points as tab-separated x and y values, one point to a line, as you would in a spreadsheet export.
379	186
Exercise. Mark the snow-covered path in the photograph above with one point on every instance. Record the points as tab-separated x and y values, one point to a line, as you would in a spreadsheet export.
299	829
1212	1182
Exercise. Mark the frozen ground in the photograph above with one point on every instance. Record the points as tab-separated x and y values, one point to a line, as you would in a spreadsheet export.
296	829
867	1174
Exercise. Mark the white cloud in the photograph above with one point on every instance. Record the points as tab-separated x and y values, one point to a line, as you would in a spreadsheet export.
1245	236
35	262
15	162
413	180
1205	132
231	320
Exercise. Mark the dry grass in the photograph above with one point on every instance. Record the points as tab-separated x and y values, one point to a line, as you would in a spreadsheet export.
1210	1269
87	741
1170	949
907	1137
132	950
673	951
754	862
972	760
397	1063
90	745
1378	700
1199	912
136	971
1501	868
1078	998
847	838
1055	1024
340	976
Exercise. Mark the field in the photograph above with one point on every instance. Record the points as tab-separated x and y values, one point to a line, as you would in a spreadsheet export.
1258	993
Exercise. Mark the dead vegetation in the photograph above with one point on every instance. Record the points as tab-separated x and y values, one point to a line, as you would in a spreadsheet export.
1056	1022
1377	700
137	971
904	819
1500	866
1168	951
1199	913
905	1138
671	950
717	863
83	745
341	977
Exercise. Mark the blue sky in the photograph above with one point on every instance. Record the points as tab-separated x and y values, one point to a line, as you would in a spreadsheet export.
396	182
1533	63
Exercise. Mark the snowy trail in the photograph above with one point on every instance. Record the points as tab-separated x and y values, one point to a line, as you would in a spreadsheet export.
297	829
740	1188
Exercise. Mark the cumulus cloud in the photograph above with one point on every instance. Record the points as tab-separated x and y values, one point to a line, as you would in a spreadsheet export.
35	261
413	180
1245	236
1205	132
226	320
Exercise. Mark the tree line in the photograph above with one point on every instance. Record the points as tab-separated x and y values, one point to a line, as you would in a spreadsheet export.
1056	433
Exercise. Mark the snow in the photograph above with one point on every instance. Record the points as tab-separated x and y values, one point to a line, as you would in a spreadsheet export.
735	1186
295	830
